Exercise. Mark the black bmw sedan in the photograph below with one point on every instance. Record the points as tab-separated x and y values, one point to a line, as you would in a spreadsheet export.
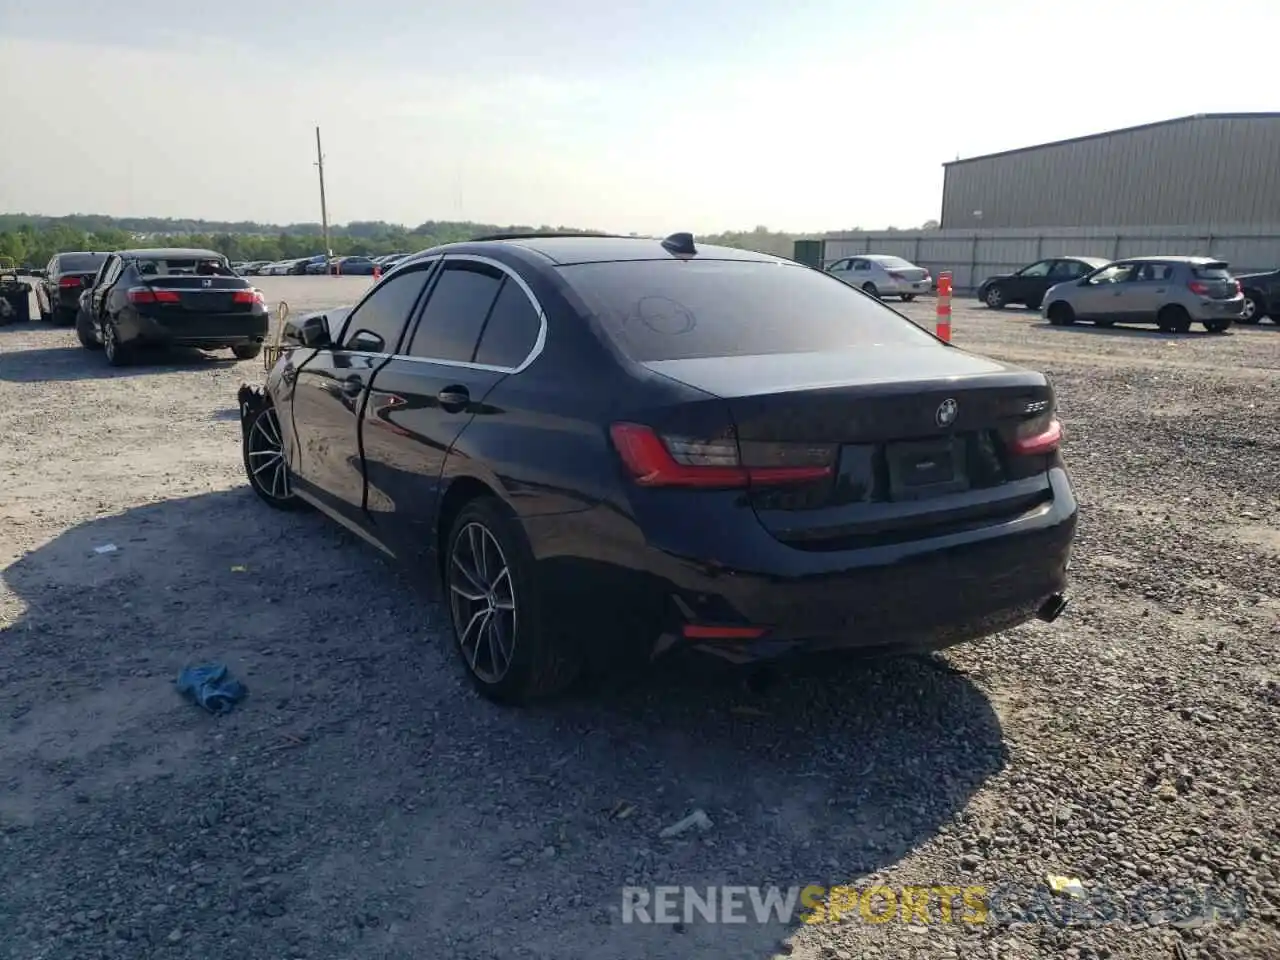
604	448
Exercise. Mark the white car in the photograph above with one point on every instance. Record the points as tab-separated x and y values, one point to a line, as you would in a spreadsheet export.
882	275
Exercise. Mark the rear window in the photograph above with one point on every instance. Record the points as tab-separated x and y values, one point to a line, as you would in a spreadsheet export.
892	262
183	267
687	309
1213	271
80	262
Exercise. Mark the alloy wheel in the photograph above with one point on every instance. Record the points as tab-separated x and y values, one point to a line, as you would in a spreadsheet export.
995	298
109	345
267	467
1249	311
483	602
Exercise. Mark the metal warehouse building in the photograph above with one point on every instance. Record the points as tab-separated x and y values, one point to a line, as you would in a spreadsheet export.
1207	170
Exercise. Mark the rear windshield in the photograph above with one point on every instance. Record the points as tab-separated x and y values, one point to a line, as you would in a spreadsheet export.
185	268
1213	271
894	262
687	309
80	262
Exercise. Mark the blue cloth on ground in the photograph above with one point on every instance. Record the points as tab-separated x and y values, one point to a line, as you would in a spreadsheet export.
211	686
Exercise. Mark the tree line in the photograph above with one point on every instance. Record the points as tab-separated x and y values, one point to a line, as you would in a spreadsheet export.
32	240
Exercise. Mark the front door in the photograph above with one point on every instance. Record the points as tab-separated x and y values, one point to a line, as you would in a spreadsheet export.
329	394
1029	284
1146	291
479	325
1101	297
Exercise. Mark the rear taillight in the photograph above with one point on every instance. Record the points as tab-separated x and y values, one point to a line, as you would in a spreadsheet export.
249	296
1037	437
1198	288
1239	289
69	283
723	463
896	276
147	295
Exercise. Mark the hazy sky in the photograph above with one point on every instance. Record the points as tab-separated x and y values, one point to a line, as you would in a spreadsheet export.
653	115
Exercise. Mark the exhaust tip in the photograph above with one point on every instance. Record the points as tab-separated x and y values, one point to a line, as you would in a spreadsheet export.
1052	608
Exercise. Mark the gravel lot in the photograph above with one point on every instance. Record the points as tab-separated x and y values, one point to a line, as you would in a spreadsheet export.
364	803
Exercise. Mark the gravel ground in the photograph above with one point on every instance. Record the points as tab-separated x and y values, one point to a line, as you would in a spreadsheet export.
364	803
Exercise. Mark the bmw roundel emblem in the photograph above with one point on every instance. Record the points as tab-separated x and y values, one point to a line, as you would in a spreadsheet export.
946	414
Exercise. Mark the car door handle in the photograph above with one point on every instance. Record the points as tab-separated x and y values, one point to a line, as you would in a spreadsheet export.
454	398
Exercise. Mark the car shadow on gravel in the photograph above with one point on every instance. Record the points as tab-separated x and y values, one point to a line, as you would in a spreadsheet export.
364	802
1119	331
76	363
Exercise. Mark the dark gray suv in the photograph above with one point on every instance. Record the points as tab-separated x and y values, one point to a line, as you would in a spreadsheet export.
1171	292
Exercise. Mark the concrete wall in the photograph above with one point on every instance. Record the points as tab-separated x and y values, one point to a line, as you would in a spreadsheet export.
974	255
1203	170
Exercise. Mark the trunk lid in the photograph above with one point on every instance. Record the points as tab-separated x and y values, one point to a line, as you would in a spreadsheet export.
920	438
205	294
1217	280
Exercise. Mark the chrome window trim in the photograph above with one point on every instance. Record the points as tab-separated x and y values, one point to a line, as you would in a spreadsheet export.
539	343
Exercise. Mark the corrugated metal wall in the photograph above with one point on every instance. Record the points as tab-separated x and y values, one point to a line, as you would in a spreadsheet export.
974	255
1203	170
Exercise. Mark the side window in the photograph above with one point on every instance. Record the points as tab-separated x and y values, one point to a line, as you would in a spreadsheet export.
112	271
862	264
1066	270
840	266
1115	273
456	312
52	266
1154	272
376	324
511	330
1040	269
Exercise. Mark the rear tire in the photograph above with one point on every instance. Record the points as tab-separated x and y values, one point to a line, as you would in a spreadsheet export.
908	297
118	355
247	352
491	589
84	332
1061	315
870	288
1173	319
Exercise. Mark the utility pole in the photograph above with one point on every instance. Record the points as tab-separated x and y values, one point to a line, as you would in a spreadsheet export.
324	212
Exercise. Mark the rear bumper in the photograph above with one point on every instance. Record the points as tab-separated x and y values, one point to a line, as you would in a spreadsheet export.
918	595
910	287
211	331
1216	309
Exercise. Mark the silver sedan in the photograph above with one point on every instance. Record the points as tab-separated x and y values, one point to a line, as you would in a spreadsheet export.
882	275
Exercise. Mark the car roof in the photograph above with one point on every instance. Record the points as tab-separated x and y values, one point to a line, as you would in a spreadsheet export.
176	253
1173	259
566	250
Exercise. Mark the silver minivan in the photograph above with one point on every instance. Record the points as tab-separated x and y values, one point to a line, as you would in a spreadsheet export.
1171	292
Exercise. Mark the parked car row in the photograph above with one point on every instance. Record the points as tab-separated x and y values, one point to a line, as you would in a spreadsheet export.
317	264
1173	292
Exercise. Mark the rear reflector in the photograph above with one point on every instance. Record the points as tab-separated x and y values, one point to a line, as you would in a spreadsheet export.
656	461
66	283
1045	441
697	631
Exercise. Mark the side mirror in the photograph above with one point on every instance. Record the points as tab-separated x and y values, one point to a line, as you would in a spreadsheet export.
311	332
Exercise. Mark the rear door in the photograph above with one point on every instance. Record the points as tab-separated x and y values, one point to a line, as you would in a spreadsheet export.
1146	291
479	324
330	390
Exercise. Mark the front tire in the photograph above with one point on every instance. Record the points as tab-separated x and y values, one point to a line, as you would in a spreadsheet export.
994	297
84	332
501	628
1061	315
246	351
264	462
1252	309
